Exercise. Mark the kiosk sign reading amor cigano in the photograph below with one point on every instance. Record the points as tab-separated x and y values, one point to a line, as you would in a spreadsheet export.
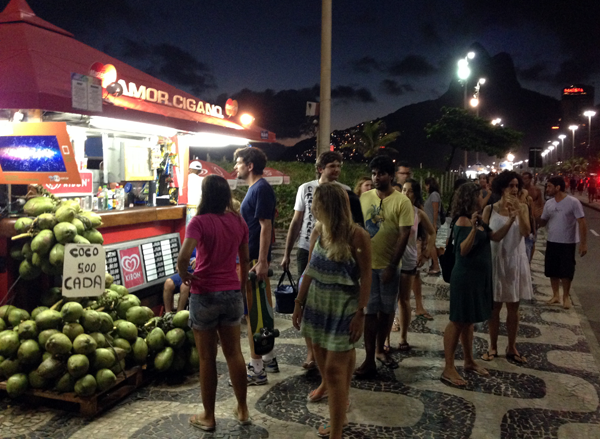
117	87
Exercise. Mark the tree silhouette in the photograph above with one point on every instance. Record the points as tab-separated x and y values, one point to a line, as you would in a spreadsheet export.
372	137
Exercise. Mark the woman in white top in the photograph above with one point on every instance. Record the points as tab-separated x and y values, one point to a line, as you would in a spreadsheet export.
411	260
511	273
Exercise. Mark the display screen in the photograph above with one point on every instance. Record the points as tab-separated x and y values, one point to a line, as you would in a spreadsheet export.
31	154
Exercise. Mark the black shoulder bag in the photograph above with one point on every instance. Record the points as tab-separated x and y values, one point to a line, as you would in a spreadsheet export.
448	259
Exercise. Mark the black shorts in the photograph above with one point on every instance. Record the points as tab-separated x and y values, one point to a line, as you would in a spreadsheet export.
409	272
302	260
560	260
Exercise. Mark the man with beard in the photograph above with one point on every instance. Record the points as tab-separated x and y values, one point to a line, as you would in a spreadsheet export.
537	208
565	221
388	218
258	210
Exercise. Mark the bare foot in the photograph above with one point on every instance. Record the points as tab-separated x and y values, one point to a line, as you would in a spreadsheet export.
476	368
242	413
553	301
203	422
567	303
453	377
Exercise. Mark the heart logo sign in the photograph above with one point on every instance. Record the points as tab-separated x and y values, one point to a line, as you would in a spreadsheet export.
130	263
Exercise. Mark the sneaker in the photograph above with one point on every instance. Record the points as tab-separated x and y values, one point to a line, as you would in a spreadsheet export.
256	378
271	366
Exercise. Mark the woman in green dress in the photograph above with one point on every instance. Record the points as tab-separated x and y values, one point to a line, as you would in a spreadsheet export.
471	296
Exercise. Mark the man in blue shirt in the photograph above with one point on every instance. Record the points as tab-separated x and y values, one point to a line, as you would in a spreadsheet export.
258	210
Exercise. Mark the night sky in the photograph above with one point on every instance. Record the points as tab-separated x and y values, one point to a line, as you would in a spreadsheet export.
385	55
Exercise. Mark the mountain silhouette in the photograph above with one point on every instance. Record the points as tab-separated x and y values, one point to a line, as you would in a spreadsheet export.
501	96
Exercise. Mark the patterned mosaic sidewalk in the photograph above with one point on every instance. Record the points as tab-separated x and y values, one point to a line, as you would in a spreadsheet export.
555	395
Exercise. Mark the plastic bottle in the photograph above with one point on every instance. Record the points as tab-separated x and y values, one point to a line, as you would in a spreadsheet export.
105	198
121	198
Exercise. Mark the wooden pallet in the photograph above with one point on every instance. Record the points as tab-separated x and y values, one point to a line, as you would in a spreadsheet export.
86	406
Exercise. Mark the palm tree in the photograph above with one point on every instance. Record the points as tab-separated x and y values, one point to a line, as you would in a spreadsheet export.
372	137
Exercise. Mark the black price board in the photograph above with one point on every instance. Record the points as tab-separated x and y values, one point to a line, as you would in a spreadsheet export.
112	266
160	258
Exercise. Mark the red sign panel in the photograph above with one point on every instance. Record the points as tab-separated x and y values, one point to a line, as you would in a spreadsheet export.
131	266
85	188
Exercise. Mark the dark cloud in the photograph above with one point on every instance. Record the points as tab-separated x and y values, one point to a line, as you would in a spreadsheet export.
366	64
391	87
84	17
171	64
348	93
412	65
310	30
573	71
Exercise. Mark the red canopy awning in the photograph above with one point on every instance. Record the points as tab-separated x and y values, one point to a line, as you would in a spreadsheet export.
36	62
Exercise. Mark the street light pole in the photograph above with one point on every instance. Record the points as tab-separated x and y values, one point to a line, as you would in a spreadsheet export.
325	105
573	128
475	104
589	114
562	147
463	74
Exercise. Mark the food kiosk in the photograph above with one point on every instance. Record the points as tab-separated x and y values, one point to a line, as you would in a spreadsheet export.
125	127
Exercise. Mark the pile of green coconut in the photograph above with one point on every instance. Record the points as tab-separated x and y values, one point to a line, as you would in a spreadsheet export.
41	237
84	345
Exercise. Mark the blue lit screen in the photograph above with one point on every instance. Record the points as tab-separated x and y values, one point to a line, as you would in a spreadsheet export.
31	154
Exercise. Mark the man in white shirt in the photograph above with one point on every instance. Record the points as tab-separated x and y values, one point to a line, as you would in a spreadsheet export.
565	221
194	183
329	165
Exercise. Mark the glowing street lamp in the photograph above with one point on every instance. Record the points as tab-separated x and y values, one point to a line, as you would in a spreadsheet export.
463	73
496	121
573	128
562	138
510	157
589	114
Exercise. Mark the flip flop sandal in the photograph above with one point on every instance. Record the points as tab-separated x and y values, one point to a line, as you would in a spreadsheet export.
447	380
489	356
309	365
313	397
396	326
325	429
404	347
519	360
389	362
425	316
239	421
434	273
194	422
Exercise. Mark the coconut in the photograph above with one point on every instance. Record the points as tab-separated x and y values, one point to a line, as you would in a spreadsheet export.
2	325
51	368
137	315
29	352
179	361
59	344
38	205
45	335
95	219
16	252
72	330
4	310
66	383
36	381
48	319
149	312
84	344
57	254
156	340
9	343
27	330
121	343
164	359
86	386
46	221
119	367
16	316
180	320
17	385
78	365
43	242
120	289
23	224
127	330
38	310
99	339
80	240
28	271
128	301
65	214
65	232
108	280
94	236
140	351
79	226
91	320
120	353
9	367
107	322
105	379
51	270
175	337
102	359
71	312
26	251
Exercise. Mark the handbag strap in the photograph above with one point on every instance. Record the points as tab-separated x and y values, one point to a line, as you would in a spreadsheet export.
289	275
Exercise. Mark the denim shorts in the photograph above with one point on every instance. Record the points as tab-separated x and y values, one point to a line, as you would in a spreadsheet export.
383	298
219	308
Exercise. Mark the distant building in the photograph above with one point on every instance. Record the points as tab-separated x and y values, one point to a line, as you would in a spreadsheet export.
575	100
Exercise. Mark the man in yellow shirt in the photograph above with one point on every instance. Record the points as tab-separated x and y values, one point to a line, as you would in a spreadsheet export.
388	218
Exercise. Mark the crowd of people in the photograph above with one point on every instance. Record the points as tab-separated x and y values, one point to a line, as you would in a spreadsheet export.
360	254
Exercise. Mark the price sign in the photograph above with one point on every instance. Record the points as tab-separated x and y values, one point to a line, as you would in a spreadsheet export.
112	266
84	270
160	258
